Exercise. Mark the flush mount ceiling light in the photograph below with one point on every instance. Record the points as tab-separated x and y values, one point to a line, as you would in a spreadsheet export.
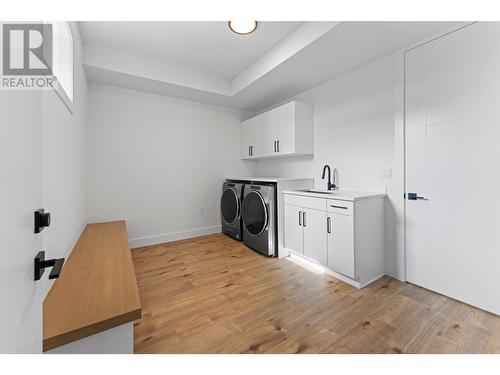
242	27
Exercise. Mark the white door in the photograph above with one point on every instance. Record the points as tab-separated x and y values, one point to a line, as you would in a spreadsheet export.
314	223
20	166
341	244
293	229
284	128
453	162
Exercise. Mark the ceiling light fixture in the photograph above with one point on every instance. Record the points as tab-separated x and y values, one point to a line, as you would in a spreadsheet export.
242	27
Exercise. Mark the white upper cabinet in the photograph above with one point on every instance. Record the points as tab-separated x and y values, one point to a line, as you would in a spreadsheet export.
285	130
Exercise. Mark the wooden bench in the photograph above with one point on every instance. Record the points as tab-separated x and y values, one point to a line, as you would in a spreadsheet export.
97	288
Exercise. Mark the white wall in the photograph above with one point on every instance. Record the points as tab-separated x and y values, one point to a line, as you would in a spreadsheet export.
353	132
158	162
63	162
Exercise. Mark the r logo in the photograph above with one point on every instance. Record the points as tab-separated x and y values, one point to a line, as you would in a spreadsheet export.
27	49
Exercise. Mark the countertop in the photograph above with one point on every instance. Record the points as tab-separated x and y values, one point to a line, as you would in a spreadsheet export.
344	195
97	288
267	179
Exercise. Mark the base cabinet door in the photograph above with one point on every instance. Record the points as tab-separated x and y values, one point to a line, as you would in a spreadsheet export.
294	235
314	223
341	257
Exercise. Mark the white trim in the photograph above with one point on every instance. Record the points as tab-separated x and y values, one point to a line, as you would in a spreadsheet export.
57	88
398	269
362	285
174	236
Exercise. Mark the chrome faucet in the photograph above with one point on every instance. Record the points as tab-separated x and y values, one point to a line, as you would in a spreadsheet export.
329	185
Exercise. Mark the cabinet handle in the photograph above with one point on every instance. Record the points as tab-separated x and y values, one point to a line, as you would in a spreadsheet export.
251	150
342	207
248	150
328	225
300	218
304	219
278	146
274	146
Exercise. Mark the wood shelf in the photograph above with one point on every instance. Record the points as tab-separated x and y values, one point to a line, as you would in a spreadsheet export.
97	288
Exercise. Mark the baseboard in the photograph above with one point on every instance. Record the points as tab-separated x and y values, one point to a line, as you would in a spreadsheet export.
366	283
390	270
174	236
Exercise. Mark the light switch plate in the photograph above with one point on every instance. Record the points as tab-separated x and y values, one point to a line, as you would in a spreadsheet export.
386	173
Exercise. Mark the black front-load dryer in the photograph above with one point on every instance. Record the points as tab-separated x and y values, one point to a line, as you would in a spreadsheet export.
230	209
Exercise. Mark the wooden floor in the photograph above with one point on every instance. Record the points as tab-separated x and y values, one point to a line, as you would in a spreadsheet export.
213	295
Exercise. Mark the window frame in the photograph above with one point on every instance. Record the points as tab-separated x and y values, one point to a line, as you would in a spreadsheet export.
58	89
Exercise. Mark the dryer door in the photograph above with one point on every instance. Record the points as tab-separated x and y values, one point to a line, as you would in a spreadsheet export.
230	206
254	213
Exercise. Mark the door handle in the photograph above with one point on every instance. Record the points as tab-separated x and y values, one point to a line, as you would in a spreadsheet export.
300	218
342	207
328	225
41	264
414	197
304	219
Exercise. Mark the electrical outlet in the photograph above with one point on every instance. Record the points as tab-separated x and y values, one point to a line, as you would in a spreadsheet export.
386	173
202	210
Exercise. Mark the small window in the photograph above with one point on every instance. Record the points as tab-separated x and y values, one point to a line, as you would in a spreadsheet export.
63	61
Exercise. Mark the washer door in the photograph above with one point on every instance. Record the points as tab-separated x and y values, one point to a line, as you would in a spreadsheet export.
230	206
254	213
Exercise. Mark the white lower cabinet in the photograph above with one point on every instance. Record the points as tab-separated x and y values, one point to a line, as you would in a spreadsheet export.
314	224
294	235
347	237
341	244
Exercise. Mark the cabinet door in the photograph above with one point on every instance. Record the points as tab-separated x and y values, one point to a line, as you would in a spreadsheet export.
284	128
266	133
314	223
248	132
293	229
341	244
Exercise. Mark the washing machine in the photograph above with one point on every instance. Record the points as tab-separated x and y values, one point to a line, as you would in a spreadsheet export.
230	208
258	213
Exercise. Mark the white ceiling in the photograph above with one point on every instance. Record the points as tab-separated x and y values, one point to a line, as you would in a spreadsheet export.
281	62
205	47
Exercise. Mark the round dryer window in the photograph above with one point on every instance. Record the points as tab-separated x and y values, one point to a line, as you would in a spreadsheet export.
254	213
230	206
